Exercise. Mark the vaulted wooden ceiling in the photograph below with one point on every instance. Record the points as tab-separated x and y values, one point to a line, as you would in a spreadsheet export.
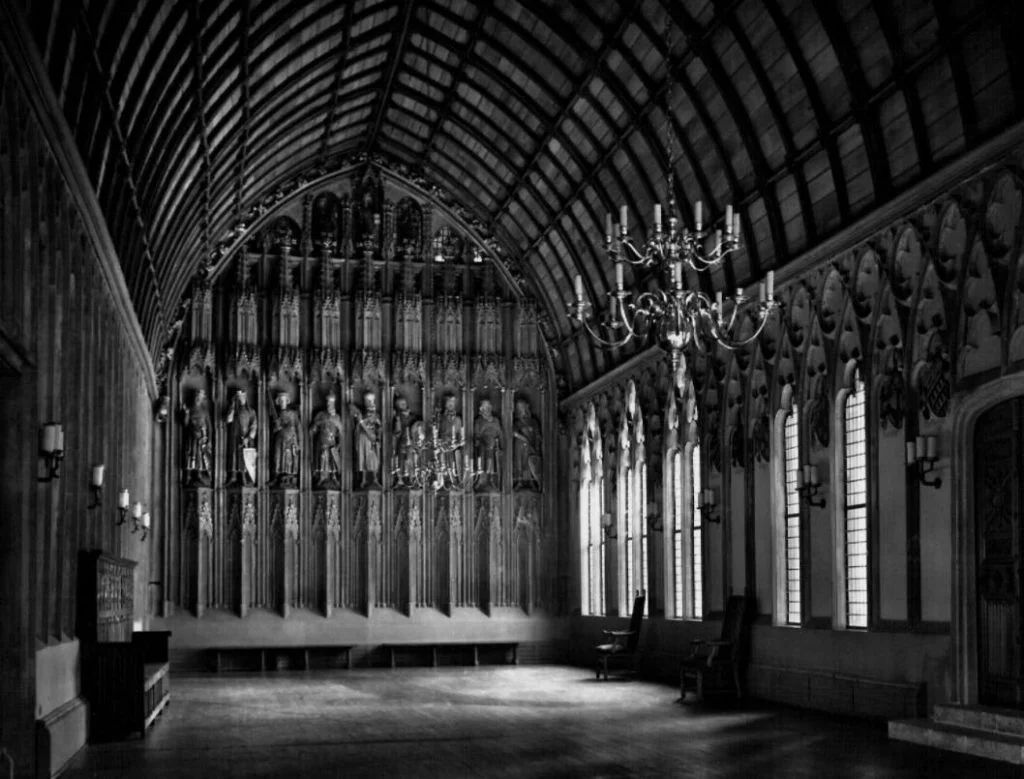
539	117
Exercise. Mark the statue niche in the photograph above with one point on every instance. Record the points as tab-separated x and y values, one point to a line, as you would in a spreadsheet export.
198	450
326	432
527	461
241	423
449	440
286	447
407	441
487	448
367	441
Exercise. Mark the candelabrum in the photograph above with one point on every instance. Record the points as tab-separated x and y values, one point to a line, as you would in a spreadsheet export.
678	316
434	462
808	484
922	455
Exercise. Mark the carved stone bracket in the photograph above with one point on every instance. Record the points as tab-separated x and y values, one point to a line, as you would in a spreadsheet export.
489	371
408	367
527	372
291	515
244	361
333	515
367	366
449	370
205	514
415	516
287	362
328	365
248	514
202	358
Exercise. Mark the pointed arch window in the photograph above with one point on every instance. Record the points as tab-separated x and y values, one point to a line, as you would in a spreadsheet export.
632	502
696	532
685	557
592	535
792	544
855	547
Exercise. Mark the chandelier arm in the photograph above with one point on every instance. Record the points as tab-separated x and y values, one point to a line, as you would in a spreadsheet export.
604	341
638	258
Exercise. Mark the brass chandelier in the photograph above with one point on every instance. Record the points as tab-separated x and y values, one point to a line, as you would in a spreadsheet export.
680	317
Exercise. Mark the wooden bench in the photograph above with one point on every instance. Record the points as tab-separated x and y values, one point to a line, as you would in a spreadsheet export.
125	673
301	654
419	646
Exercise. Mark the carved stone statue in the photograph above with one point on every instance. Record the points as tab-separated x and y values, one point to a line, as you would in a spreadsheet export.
241	421
487	448
406	433
198	450
367	437
526	447
450	438
327	431
285	452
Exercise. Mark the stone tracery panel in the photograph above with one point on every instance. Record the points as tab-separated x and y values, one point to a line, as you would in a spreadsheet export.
343	295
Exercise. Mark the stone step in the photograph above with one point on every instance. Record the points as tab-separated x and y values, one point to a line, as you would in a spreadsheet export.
956	738
991	718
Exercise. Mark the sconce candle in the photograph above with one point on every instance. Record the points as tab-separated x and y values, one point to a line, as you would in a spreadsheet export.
49	438
145	520
122	499
137	511
96	487
51	449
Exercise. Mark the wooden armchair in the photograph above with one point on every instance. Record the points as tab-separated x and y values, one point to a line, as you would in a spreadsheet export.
717	666
622	643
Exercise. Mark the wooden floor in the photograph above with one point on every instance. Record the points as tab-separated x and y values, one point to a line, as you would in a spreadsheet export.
544	721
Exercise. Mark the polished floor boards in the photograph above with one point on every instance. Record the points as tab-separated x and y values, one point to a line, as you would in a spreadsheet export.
540	721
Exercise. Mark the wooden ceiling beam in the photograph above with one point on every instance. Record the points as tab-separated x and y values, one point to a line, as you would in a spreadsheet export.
961	78
483	8
865	113
769	90
399	36
826	140
339	72
610	36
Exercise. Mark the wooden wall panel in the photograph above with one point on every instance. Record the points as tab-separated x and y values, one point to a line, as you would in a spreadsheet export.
58	312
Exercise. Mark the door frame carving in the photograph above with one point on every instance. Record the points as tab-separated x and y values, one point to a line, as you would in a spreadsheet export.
964	563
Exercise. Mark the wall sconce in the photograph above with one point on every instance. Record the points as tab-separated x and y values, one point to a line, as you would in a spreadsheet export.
163	409
808	484
708	504
921	455
51	449
609	526
141	523
96	486
122	506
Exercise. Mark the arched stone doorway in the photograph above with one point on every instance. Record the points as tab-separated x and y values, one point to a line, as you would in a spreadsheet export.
988	544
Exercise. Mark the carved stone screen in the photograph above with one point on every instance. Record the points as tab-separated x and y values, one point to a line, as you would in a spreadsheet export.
363	414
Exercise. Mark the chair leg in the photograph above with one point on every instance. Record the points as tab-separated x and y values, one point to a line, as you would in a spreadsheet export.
736	678
700	686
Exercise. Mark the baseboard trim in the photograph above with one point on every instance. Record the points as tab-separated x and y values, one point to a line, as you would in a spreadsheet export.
837	693
61	735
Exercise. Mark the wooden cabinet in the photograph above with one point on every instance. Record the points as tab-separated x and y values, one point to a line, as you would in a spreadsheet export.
125	673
